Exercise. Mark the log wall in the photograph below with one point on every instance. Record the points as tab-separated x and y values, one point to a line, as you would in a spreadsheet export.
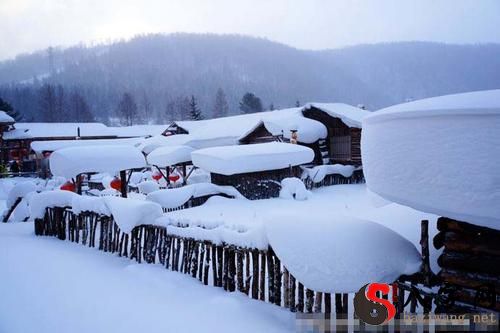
470	266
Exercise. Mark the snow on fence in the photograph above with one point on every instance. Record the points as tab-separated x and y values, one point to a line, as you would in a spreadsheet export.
327	175
258	273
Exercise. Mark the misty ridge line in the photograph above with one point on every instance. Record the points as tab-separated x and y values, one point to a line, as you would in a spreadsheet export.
104	42
161	73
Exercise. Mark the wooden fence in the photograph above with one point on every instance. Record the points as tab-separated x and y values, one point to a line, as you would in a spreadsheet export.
336	179
256	273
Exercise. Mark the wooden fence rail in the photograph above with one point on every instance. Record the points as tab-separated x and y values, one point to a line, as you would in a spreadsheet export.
256	273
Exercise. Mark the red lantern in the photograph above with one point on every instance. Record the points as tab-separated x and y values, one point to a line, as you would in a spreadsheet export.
174	178
68	186
156	176
116	184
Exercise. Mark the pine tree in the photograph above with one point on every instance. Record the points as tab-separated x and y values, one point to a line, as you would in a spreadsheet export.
7	108
80	109
194	111
221	108
60	107
250	103
183	108
47	103
127	109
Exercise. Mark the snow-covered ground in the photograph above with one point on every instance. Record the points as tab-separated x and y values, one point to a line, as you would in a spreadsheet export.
52	286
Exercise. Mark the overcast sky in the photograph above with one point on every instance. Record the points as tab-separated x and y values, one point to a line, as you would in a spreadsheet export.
27	25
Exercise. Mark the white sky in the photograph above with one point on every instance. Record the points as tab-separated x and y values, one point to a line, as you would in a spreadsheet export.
27	25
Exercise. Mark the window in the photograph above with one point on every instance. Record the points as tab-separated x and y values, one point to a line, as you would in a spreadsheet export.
340	147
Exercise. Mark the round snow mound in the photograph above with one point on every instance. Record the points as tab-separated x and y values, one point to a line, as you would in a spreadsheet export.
340	254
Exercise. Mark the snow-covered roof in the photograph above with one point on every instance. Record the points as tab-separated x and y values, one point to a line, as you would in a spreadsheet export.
5	118
138	130
54	130
438	155
231	160
350	115
150	144
53	145
169	155
282	122
230	130
70	162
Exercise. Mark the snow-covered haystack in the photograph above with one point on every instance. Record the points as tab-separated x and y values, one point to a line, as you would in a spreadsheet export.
232	160
340	253
129	213
293	188
439	155
38	202
70	162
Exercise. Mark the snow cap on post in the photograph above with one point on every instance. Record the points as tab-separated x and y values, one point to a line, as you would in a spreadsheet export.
70	162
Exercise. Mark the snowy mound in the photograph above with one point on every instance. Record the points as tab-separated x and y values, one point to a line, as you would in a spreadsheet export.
82	203
438	155
5	118
148	186
150	144
57	198
339	253
70	162
293	188
20	190
232	160
170	155
176	197
129	213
